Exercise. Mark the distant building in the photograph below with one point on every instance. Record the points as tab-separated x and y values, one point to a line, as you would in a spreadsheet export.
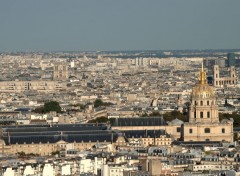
20	86
231	59
60	72
43	140
220	81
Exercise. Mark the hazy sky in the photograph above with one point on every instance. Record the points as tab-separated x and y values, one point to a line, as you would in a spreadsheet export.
78	25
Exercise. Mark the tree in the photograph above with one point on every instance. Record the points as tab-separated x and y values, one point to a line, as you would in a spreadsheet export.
51	106
234	116
48	106
98	102
169	116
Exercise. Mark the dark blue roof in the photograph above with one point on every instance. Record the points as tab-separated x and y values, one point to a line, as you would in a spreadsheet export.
67	127
70	138
198	143
139	121
143	133
68	133
53	133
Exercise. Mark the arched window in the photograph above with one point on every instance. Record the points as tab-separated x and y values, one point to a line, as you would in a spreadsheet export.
207	102
207	130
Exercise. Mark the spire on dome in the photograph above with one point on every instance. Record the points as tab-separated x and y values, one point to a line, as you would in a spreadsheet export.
202	76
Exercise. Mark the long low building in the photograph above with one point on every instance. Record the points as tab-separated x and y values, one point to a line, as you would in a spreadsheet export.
148	123
44	86
45	140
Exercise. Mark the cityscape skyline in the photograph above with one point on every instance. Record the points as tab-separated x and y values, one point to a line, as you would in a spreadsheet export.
112	25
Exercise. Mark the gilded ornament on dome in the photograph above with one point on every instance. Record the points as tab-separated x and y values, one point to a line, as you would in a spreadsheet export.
202	89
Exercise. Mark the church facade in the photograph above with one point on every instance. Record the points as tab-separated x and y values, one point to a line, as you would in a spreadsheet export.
204	124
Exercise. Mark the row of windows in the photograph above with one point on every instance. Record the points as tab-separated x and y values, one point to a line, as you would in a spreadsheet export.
207	130
224	82
201	114
157	143
201	103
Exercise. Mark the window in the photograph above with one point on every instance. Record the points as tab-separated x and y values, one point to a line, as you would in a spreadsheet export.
207	130
208	114
207	102
190	130
201	103
201	114
195	102
195	114
178	129
223	130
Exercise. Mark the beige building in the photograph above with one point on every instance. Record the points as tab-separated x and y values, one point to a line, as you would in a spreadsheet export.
60	72
19	86
46	145
204	122
223	81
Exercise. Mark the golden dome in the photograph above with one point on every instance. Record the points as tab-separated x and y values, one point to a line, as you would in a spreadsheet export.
202	90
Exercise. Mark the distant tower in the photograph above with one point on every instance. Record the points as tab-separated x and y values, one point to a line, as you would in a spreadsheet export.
233	75
216	75
231	59
60	72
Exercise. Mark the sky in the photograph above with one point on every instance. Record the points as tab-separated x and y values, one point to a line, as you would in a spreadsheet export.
105	25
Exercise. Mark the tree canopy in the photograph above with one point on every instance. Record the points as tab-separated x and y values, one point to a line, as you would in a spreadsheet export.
234	116
169	116
98	102
48	107
52	106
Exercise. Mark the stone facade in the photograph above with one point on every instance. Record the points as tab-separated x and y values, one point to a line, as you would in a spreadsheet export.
223	81
204	122
60	72
41	86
